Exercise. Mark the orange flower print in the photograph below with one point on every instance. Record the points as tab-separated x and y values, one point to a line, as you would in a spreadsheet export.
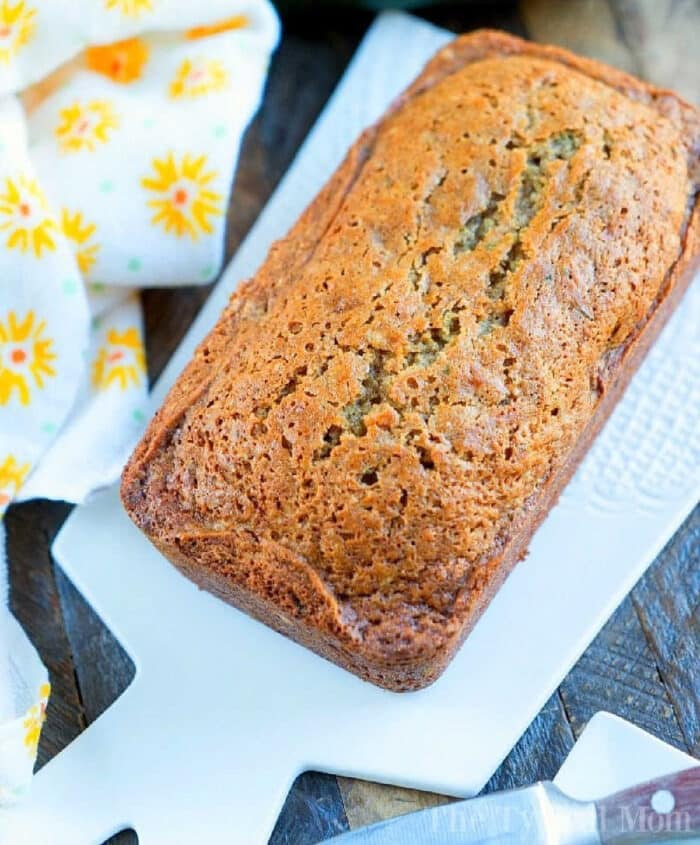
121	62
184	201
236	22
80	234
24	216
26	357
196	77
130	8
85	126
34	721
17	23
12	475
121	360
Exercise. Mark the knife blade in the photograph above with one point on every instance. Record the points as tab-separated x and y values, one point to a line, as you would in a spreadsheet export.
663	810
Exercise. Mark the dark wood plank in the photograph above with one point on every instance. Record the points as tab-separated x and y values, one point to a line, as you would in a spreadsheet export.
667	601
618	673
124	837
103	669
662	35
34	600
312	812
587	27
653	39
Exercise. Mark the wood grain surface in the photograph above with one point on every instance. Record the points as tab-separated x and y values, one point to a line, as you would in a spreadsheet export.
654	39
645	664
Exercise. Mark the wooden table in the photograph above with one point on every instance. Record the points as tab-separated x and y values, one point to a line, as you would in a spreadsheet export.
645	664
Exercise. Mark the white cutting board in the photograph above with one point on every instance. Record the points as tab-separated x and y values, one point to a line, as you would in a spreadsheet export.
223	713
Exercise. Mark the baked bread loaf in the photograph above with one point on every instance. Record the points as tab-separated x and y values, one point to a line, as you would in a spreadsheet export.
362	448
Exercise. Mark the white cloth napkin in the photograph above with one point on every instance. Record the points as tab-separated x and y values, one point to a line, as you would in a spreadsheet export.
120	125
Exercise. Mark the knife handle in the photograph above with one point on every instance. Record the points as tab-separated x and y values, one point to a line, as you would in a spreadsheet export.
661	810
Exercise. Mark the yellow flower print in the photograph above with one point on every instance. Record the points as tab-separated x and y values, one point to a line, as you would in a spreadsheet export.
85	126
196	77
185	201
121	62
25	356
17	22
236	22
12	477
36	716
120	361
130	8
80	234
24	215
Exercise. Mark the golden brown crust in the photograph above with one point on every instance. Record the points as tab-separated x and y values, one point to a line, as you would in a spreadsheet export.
361	450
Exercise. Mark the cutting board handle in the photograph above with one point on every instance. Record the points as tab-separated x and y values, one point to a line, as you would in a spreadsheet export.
95	787
662	810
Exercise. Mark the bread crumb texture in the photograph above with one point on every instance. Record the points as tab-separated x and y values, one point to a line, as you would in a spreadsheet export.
355	445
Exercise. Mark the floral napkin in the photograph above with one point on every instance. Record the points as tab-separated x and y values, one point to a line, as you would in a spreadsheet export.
120	124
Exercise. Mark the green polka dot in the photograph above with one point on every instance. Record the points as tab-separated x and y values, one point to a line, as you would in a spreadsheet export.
70	287
96	323
107	186
219	131
97	287
134	265
208	271
138	415
149	123
49	427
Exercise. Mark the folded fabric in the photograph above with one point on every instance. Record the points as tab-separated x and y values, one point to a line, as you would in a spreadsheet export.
120	125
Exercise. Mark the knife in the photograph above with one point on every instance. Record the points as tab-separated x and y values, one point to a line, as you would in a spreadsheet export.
663	810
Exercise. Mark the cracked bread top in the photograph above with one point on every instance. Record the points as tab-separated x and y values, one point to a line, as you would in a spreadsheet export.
382	403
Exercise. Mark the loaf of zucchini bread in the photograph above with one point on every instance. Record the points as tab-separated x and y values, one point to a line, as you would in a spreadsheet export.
362	448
